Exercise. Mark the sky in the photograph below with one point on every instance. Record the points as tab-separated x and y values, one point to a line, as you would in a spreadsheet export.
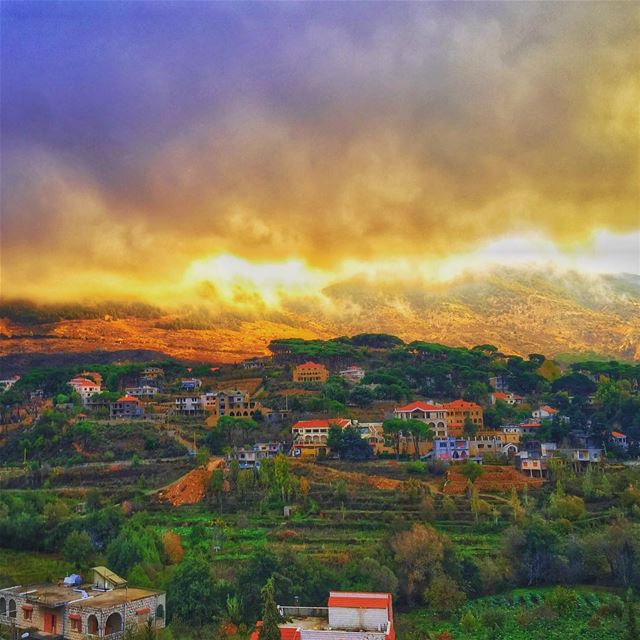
171	151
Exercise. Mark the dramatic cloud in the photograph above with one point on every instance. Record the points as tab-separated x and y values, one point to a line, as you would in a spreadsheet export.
151	147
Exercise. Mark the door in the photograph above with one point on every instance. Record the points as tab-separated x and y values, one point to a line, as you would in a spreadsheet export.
50	623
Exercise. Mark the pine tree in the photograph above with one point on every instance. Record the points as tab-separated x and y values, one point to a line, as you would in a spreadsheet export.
270	615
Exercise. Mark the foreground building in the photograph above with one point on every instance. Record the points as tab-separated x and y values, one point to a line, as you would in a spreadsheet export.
348	616
71	610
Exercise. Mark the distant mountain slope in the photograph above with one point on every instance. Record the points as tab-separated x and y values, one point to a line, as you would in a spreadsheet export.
519	311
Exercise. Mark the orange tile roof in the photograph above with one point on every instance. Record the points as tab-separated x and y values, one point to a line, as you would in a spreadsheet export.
128	399
617	434
83	382
308	365
311	424
461	404
418	405
360	601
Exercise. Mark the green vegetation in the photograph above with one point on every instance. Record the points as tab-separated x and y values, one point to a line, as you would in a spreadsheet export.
552	562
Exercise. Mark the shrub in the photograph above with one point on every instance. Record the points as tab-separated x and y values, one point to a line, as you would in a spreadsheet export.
562	600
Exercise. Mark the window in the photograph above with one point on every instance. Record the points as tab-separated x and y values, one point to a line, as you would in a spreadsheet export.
76	623
27	614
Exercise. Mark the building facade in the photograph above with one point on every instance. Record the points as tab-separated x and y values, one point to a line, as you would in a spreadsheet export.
435	415
102	608
310	372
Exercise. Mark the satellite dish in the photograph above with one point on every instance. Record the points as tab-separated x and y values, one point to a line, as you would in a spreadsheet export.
25	635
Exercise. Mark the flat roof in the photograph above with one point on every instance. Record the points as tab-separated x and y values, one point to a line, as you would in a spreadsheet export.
54	595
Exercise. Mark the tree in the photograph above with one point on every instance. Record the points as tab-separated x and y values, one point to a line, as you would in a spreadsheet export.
443	595
471	470
78	549
191	592
419	554
392	430
216	485
348	443
361	396
532	551
419	431
270	616
470	427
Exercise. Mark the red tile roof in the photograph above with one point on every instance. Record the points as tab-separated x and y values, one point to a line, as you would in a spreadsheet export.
462	404
419	406
548	409
83	382
315	424
617	434
359	600
128	399
309	365
500	395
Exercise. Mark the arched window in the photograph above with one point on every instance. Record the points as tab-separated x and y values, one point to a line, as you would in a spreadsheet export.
160	612
3	607
113	624
92	625
12	609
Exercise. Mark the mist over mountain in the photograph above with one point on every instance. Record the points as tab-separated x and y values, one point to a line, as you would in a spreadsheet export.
519	310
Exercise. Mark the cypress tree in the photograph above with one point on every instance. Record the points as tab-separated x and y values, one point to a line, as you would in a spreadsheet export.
270	615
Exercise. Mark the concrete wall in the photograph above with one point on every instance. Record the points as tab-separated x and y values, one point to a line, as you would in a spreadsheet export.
355	618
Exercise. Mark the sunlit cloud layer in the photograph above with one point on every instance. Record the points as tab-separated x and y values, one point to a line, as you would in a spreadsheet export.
218	151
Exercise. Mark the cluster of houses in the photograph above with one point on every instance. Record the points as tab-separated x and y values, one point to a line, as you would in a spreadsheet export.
191	401
71	609
459	434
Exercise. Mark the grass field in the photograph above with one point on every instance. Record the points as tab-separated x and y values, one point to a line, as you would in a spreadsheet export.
526	617
24	567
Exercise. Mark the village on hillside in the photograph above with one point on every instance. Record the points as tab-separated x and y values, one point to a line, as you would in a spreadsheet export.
149	474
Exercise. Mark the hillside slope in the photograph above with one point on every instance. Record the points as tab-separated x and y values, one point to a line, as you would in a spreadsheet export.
518	311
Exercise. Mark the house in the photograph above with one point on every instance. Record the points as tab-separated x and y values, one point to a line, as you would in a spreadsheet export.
70	610
347	616
236	404
450	449
250	457
310	436
458	411
545	413
85	388
373	433
619	439
126	407
153	372
480	445
189	405
499	383
142	391
7	383
506	396
310	372
190	384
352	374
530	427
435	415
152	377
534	458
